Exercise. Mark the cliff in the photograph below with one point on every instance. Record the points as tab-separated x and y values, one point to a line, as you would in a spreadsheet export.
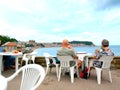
82	43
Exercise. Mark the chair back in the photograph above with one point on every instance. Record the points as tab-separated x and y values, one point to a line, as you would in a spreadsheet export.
24	57
33	57
106	61
65	60
32	76
47	56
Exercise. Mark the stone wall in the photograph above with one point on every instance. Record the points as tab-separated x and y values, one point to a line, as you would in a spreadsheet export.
38	60
116	62
41	60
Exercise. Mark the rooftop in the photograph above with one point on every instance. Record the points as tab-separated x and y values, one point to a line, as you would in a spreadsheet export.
10	44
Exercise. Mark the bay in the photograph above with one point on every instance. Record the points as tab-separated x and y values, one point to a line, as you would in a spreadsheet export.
88	49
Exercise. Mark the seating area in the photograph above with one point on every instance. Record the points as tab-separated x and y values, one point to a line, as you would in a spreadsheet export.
51	83
50	78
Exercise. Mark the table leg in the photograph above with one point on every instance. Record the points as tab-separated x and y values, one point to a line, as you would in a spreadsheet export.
16	63
1	64
87	64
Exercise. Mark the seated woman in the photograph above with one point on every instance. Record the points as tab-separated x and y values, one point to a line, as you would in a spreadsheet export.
105	50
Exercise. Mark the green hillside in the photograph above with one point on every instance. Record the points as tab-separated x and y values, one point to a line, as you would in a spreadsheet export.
82	42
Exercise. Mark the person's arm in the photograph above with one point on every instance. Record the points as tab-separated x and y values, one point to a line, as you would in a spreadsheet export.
70	47
96	54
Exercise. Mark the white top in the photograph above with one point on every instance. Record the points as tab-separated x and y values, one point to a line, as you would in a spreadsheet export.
3	83
10	53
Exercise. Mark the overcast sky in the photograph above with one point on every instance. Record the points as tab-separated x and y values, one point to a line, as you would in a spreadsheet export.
54	20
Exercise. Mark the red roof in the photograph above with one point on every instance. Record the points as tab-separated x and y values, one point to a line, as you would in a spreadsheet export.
10	44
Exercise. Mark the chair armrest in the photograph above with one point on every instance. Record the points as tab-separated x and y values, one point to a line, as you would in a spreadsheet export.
13	75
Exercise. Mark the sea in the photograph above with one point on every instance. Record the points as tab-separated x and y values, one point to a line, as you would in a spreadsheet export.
87	49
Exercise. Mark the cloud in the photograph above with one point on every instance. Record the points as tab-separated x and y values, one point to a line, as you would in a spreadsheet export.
54	20
18	32
105	4
26	6
113	3
112	15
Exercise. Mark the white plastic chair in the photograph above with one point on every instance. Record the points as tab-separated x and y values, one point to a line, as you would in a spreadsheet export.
27	57
33	58
105	66
24	58
47	58
32	76
65	64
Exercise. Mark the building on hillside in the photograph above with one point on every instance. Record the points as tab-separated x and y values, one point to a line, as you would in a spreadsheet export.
32	42
10	46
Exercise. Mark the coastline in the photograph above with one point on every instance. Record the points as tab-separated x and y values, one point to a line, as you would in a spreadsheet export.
88	49
34	48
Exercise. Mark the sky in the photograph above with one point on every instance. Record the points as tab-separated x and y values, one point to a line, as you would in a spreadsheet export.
55	20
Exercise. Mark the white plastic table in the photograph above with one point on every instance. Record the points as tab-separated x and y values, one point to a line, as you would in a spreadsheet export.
81	56
7	54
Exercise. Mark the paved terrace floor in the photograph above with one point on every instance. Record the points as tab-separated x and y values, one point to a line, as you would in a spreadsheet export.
51	83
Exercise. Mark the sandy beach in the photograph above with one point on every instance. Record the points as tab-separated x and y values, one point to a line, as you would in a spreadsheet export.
50	82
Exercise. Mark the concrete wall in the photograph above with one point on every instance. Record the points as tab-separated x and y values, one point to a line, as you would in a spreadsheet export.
115	63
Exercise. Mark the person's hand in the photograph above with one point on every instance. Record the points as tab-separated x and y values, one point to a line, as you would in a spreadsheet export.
69	46
106	48
95	54
96	51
